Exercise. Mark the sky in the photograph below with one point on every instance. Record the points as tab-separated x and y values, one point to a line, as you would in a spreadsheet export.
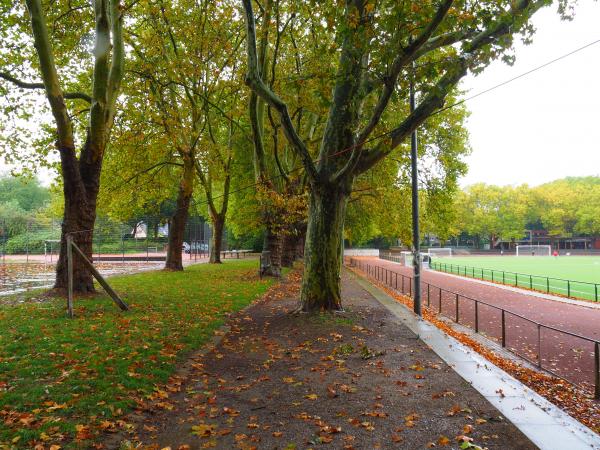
546	125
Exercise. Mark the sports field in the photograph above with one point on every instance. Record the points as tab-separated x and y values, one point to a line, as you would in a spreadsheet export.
572	276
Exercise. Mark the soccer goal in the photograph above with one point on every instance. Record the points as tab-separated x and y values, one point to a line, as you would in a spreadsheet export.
406	259
439	251
534	250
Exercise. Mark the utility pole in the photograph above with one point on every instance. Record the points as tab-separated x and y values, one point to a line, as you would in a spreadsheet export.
415	210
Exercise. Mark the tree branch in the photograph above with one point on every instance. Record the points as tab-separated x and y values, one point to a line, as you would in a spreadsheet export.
25	85
255	82
118	58
405	57
437	94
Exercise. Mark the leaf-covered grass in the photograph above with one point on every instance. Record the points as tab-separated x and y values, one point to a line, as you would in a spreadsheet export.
63	380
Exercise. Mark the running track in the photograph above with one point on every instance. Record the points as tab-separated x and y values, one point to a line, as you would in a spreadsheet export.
567	356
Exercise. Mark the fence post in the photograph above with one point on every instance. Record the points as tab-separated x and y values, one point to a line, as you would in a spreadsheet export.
440	300
70	275
539	327
492	275
403	284
530	282
428	301
596	292
596	371
476	316
456	308
568	288
503	330
547	285
503	282
410	287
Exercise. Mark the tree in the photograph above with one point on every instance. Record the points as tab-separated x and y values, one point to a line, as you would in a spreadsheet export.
189	102
494	213
375	45
80	173
28	193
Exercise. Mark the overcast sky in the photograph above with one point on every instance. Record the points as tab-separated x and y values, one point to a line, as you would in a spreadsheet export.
546	125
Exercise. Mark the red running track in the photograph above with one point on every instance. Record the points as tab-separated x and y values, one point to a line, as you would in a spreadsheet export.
566	356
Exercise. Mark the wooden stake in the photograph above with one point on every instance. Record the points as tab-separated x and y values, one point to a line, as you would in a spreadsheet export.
101	280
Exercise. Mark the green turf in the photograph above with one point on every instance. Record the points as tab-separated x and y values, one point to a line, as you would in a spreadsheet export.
62	380
513	270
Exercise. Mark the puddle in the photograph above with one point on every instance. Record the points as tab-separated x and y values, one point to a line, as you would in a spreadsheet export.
18	277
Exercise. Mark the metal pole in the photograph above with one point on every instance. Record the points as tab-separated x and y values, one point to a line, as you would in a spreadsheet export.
503	330
415	211
70	275
596	371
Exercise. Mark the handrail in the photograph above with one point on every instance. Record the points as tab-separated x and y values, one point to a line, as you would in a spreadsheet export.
472	271
549	327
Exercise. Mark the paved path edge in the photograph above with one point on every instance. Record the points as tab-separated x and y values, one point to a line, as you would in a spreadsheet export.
546	425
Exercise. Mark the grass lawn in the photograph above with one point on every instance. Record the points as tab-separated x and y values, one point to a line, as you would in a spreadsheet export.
62	381
579	270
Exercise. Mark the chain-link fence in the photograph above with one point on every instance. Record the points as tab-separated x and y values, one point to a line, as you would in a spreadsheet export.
145	238
29	250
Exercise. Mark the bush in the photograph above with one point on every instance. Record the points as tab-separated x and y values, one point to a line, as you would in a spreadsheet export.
32	242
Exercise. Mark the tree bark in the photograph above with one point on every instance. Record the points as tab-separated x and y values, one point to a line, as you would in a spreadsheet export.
180	217
81	180
272	244
300	241
288	250
323	249
216	240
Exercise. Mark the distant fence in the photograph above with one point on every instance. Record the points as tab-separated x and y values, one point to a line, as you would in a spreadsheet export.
143	239
361	252
567	355
568	288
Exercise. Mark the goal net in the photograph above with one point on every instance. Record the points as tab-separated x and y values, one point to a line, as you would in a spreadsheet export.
534	250
439	252
406	259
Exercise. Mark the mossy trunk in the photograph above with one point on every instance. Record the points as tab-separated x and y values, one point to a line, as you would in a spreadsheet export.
216	240
321	287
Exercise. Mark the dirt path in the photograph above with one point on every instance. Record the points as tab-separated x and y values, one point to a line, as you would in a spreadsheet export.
569	357
357	381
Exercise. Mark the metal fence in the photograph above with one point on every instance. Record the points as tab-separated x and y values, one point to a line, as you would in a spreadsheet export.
567	355
143	239
569	288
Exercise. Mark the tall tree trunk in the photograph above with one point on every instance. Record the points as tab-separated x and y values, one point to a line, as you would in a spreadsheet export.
323	249
180	217
81	181
216	240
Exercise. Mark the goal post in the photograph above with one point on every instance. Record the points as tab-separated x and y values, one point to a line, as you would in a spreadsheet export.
439	251
534	250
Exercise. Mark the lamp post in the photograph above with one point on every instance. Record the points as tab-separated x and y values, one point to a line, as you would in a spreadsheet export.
415	210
